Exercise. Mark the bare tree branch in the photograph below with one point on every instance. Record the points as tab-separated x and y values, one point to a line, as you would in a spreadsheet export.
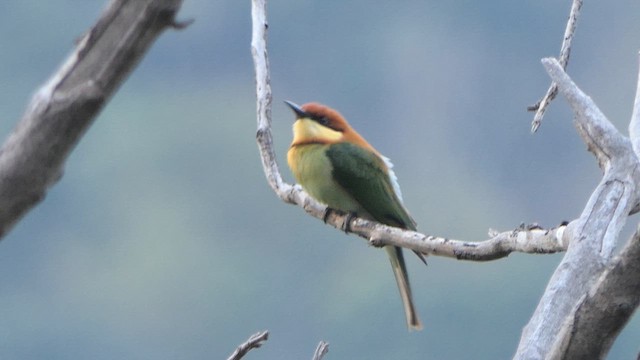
520	240
524	240
604	310
565	51
321	350
601	313
33	156
600	136
255	341
593	235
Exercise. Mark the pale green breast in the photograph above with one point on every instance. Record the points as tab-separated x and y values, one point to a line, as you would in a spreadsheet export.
313	170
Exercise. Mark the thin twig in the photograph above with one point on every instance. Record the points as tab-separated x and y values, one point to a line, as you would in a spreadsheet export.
254	342
565	51
321	350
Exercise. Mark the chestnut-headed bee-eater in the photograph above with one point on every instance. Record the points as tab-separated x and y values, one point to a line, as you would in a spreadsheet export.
338	167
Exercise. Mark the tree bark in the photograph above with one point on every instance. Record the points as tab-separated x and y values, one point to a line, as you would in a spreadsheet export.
32	158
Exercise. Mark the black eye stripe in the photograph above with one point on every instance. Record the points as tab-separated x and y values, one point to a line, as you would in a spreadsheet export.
322	120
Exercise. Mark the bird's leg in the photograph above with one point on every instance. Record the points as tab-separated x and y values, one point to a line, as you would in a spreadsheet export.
347	221
325	216
348	216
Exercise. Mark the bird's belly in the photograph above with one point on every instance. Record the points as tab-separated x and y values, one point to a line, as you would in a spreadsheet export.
313	171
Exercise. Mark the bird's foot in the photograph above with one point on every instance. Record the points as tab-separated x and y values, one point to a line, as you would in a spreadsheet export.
348	216
326	213
346	225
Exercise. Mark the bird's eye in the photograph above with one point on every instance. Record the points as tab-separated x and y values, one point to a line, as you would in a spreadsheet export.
323	120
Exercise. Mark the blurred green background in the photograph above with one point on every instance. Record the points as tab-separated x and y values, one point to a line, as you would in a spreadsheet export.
163	240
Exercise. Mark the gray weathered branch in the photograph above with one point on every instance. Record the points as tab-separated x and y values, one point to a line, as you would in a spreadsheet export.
604	310
321	350
32	158
531	240
255	341
592	236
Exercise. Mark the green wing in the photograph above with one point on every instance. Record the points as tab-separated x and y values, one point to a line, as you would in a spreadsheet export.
361	173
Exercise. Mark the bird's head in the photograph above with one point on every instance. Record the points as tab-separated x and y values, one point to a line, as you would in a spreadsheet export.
319	124
316	123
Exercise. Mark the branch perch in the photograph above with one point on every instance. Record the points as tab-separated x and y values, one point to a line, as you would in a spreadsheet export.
32	158
535	241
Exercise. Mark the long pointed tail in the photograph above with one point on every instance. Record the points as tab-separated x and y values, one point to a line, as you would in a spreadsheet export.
400	272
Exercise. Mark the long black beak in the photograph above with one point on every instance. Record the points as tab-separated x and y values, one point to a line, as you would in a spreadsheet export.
296	109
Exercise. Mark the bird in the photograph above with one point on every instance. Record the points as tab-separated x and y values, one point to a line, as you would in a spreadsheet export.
339	168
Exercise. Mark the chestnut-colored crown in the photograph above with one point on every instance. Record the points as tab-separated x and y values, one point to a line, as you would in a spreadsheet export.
326	116
332	119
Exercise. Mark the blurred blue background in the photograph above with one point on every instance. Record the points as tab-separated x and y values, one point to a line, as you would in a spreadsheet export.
163	240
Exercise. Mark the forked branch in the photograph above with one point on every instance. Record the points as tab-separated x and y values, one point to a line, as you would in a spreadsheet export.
321	350
565	51
255	341
587	286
